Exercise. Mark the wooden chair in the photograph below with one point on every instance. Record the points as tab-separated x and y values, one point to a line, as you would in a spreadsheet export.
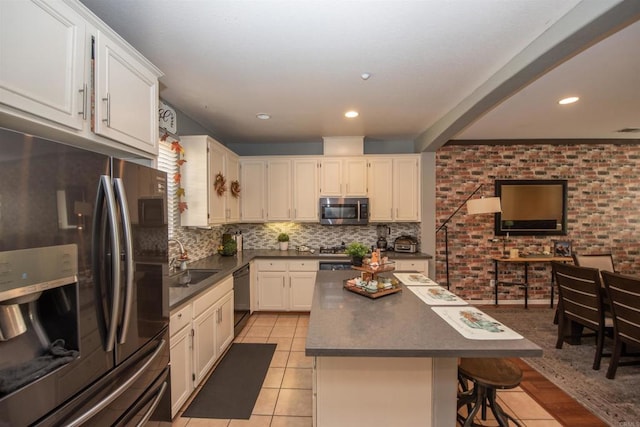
603	262
624	297
580	305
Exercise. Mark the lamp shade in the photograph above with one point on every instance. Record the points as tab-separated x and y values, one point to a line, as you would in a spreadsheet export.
484	205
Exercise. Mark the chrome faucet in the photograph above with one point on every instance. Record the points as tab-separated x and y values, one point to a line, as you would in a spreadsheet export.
183	256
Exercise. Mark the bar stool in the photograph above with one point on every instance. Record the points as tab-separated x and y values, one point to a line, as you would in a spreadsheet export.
487	375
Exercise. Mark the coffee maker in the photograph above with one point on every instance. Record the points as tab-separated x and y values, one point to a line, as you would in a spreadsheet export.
382	231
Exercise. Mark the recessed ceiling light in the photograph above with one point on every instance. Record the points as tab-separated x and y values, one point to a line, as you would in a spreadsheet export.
365	76
263	116
351	114
569	100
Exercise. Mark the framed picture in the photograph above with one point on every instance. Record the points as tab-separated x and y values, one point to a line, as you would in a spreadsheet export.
562	248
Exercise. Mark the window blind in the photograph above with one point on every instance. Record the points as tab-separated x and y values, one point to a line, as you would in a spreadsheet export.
167	163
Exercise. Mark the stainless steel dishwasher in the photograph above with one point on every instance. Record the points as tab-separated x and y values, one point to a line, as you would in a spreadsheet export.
241	298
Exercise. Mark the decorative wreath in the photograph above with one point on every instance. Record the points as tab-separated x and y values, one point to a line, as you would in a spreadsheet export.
220	184
235	189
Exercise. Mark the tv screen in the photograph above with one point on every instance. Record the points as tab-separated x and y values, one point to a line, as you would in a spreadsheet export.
532	207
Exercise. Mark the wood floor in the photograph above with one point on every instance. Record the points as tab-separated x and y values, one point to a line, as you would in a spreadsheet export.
555	401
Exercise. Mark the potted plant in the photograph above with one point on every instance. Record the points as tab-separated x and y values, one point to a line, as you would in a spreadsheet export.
283	239
229	248
357	252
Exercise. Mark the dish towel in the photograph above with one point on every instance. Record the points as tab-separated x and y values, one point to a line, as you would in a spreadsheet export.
14	377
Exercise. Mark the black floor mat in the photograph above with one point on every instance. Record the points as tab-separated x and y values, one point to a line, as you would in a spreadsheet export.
231	391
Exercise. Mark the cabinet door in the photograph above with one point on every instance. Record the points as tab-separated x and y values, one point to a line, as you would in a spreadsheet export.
195	180
301	286
380	189
181	372
413	265
225	323
43	61
331	177
217	202
253	181
305	190
126	103
271	291
279	190
233	203
354	177
406	189
204	346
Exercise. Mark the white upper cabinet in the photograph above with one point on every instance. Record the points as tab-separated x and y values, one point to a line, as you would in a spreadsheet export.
44	61
406	189
126	104
394	188
217	167
195	181
278	189
380	189
205	159
233	174
287	188
343	177
46	83
253	178
305	190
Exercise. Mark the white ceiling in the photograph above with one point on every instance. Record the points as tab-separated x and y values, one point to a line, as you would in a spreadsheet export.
438	67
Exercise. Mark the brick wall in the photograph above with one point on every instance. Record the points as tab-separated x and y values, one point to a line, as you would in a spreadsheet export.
603	210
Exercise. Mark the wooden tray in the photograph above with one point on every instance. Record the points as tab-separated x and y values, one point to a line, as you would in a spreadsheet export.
390	266
374	295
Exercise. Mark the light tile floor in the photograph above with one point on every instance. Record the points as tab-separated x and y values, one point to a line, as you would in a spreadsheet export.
285	398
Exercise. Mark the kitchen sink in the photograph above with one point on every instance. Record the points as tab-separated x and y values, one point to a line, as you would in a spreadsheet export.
191	277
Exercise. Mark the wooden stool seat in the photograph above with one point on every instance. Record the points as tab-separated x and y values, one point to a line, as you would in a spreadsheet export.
487	375
491	372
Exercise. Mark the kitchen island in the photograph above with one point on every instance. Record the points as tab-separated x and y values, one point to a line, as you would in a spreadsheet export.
387	361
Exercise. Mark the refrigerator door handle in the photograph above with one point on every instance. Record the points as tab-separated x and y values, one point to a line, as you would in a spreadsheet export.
154	405
106	196
128	258
117	392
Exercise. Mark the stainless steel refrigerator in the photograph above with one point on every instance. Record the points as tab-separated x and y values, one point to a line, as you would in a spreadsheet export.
83	311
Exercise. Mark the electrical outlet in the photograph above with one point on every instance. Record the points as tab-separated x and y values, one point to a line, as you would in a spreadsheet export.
492	283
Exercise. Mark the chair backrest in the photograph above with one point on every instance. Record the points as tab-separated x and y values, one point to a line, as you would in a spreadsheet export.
580	294
603	262
624	297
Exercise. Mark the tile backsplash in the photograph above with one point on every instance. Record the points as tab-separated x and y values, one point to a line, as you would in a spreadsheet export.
201	243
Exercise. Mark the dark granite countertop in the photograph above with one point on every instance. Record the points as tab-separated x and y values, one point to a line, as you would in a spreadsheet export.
343	323
228	264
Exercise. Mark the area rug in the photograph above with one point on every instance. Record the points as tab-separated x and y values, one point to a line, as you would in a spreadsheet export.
233	387
616	402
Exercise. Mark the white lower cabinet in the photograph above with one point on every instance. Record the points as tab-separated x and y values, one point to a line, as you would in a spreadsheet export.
181	358
301	284
200	333
285	285
204	348
413	265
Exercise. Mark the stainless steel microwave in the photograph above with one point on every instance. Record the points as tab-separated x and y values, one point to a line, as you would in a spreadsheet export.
344	211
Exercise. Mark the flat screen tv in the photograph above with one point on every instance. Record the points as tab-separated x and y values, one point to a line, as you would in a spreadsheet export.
531	207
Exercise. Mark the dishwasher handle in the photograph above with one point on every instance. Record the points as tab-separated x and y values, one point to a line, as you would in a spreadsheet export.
243	271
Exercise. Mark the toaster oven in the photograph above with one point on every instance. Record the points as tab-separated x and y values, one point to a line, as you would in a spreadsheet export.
406	244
